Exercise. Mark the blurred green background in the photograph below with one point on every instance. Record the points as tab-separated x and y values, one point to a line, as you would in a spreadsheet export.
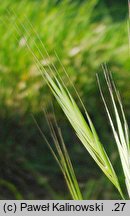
84	34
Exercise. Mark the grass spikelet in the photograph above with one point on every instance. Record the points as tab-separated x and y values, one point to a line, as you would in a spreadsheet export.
62	157
85	132
120	128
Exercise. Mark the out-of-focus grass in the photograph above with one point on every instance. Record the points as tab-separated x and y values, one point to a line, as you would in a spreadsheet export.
11	188
85	34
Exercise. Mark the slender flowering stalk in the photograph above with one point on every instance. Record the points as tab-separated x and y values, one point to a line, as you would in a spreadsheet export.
120	129
62	157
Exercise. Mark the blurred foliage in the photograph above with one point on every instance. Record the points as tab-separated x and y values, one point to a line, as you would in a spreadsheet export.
84	35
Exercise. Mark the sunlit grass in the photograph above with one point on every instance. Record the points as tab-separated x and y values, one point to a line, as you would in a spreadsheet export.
75	44
83	42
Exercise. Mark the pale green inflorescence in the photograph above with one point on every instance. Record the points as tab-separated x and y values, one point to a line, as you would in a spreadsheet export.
62	157
86	132
121	134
